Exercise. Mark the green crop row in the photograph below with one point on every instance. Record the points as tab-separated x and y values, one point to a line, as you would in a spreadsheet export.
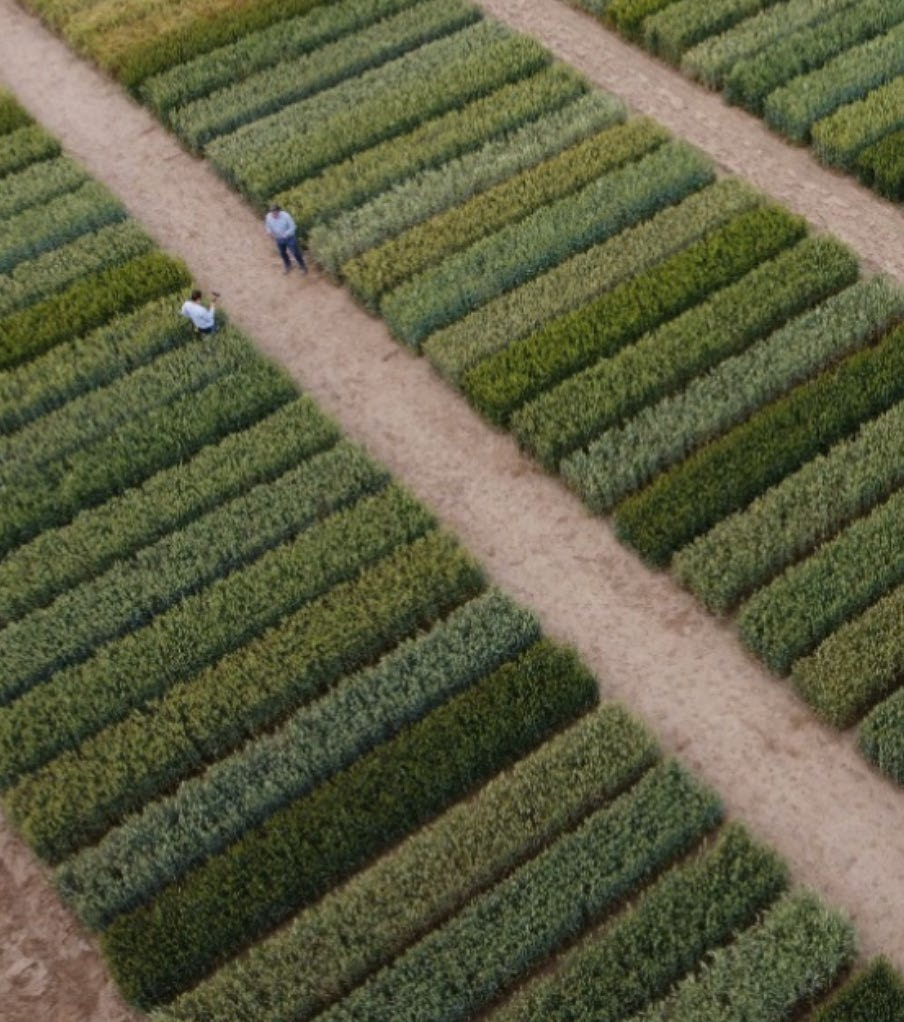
208	812
137	450
566	345
370	172
628	16
714	60
38	184
881	165
689	911
77	797
799	52
589	403
87	304
62	219
516	313
58	559
682	25
874	995
134	590
794	108
857	666
379	270
314	843
302	139
24	146
880	734
72	368
782	964
747	549
436	297
361	925
12	114
281	41
257	95
789	617
730	472
78	702
55	270
457	969
839	138
627	457
434	191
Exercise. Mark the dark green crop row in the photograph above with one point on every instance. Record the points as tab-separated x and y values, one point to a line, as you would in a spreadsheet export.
256	95
588	403
12	114
58	559
209	811
331	946
314	843
458	968
134	590
726	475
87	304
672	31
137	450
77	797
38	184
24	146
381	269
639	955
874	995
502	383
628	16
436	297
880	737
840	138
881	165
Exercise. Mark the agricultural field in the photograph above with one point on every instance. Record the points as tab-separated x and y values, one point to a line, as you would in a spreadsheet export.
828	73
283	749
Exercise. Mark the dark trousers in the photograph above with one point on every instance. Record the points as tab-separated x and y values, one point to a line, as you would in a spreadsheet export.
287	245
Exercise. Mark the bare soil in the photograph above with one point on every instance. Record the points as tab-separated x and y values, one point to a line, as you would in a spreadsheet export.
800	787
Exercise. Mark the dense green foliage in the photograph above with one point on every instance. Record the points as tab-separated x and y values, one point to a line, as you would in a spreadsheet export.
24	146
681	25
874	995
840	138
880	734
38	183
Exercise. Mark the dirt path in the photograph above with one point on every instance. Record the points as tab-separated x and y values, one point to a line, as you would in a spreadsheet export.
799	786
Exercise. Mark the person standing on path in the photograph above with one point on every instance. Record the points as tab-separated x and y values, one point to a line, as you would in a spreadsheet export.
202	316
281	228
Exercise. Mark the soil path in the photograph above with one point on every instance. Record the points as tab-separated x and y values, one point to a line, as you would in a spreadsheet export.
800	786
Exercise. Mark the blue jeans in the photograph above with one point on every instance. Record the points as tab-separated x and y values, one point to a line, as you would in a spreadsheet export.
287	245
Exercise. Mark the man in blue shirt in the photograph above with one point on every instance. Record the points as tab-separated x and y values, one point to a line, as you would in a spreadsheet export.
281	228
201	316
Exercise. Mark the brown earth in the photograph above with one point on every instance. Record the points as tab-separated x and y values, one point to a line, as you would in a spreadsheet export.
799	786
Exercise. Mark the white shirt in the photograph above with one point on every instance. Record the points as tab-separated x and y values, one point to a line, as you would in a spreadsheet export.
202	317
279	225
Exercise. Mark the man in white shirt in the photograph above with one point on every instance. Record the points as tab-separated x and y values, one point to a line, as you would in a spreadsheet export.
281	228
202	316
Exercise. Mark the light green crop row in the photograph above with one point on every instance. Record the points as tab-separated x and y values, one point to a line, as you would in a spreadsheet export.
782	964
284	40
361	925
797	53
77	797
62	219
430	145
747	549
38	184
435	298
874	995
457	969
857	666
518	312
667	359
381	269
259	94
24	146
39	278
137	450
627	457
319	840
132	591
796	107
209	811
812	598
688	912
566	345
59	559
302	139
79	701
839	138
713	60
682	25
430	192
